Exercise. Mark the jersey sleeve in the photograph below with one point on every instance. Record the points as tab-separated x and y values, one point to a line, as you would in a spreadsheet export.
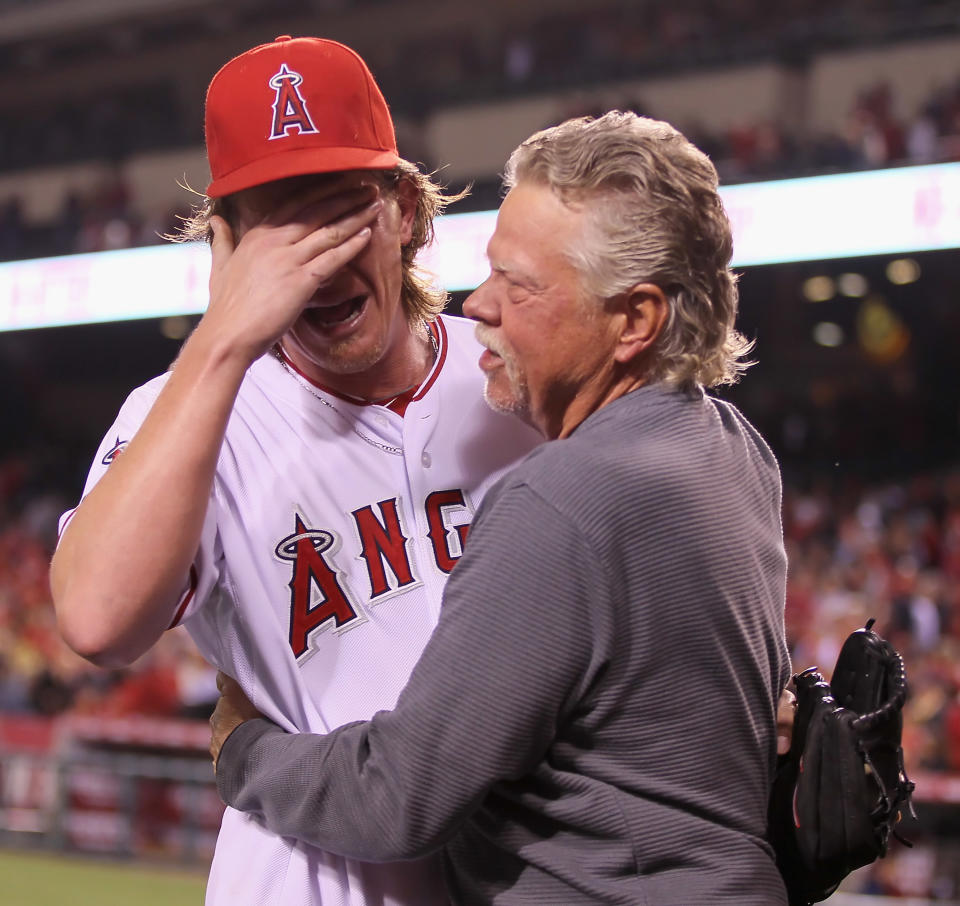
523	633
204	571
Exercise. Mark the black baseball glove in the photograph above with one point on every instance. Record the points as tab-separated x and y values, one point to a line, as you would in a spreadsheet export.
839	792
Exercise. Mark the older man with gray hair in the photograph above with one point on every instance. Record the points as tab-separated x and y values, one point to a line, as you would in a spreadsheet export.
593	720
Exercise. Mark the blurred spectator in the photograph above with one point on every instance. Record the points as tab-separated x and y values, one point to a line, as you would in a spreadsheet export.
518	60
12	229
922	140
108	222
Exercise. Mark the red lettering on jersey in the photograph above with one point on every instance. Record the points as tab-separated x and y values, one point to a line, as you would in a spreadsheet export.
306	548
289	108
382	542
435	505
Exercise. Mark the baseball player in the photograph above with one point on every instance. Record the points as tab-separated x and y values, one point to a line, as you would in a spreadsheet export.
296	490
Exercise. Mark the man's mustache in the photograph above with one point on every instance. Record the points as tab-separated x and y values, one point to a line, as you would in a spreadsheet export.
486	337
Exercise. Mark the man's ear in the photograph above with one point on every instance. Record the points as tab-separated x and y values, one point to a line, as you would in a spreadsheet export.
407	197
645	309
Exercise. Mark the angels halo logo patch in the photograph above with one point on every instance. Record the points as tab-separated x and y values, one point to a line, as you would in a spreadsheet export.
289	107
114	451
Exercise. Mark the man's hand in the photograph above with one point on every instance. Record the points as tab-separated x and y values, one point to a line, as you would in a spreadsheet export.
786	712
261	281
233	708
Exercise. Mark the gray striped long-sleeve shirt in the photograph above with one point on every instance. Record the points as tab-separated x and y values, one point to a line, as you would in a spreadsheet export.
593	720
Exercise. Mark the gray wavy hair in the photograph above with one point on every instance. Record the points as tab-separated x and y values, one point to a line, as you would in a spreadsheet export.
653	216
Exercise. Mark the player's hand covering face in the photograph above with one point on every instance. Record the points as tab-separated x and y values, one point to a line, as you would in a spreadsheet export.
268	270
319	260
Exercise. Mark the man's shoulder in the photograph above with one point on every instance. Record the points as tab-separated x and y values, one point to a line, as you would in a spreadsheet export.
637	438
555	470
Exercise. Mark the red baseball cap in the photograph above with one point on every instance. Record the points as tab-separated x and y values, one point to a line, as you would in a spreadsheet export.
295	106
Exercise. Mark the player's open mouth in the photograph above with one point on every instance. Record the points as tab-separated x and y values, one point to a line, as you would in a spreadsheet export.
334	315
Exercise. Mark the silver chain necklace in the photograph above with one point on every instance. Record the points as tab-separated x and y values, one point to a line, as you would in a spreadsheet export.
303	382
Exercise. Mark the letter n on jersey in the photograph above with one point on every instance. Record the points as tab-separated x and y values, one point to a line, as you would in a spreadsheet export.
382	544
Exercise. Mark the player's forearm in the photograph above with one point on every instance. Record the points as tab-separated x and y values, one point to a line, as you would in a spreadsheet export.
125	555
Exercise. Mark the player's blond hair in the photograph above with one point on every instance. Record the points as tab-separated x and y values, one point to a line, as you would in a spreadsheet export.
422	299
653	216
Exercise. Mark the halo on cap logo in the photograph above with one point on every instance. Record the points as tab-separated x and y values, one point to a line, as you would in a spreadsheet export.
289	107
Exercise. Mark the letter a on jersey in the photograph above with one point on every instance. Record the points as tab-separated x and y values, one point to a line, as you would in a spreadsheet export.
308	549
289	107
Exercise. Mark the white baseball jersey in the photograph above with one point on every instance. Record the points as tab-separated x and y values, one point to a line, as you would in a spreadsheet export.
330	532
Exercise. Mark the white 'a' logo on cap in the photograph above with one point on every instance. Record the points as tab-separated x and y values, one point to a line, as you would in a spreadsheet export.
289	108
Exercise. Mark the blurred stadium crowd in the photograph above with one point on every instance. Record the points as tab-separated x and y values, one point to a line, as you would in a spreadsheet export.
38	673
105	218
581	47
889	550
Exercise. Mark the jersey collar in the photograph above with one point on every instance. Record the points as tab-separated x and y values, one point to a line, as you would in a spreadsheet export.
399	403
